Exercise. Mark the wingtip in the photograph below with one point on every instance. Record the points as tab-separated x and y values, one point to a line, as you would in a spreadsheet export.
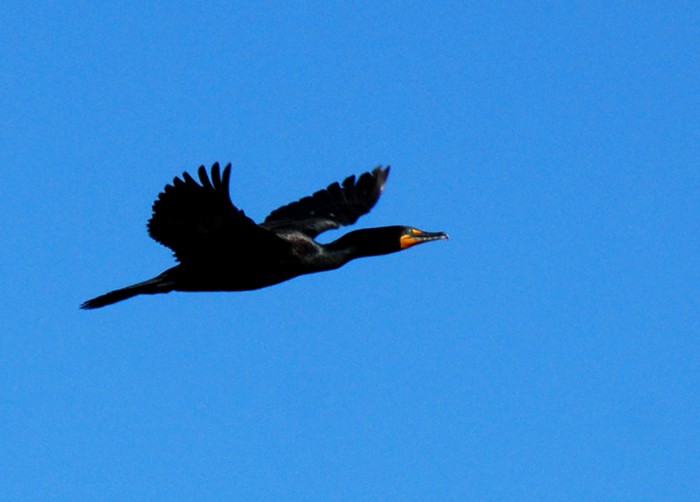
226	176
218	178
381	174
204	177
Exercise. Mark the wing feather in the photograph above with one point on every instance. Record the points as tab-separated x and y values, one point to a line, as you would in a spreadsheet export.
199	222
332	207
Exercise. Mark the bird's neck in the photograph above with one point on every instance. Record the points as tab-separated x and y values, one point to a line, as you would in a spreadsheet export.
360	243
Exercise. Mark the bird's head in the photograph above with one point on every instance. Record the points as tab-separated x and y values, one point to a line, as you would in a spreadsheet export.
382	240
410	236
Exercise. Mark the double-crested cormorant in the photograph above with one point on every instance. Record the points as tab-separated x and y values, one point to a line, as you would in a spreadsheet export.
219	248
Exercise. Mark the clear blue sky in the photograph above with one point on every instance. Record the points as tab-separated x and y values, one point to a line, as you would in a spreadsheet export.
549	351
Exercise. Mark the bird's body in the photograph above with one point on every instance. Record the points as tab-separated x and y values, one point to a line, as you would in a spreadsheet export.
220	249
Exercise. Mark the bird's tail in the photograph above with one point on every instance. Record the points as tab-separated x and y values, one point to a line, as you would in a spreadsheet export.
159	284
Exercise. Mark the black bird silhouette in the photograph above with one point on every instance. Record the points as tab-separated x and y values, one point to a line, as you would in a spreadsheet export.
219	248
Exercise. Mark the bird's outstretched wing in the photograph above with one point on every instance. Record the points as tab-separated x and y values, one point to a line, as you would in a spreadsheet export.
200	223
333	207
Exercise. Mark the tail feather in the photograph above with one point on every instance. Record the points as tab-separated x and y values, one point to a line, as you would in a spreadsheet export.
156	285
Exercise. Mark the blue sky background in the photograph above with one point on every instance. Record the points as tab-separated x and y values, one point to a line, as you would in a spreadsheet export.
549	351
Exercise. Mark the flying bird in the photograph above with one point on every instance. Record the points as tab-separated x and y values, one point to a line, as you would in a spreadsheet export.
219	248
